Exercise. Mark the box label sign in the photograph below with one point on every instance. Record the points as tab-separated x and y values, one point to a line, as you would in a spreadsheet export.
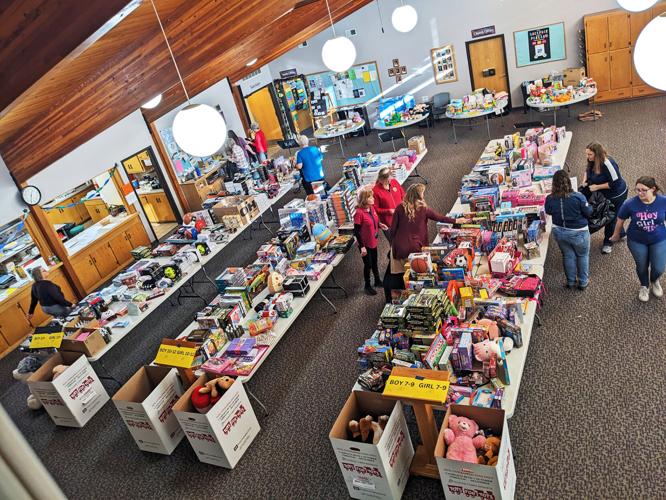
485	31
45	340
413	388
179	357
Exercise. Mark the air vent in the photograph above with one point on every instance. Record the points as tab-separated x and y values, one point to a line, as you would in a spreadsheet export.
252	75
351	32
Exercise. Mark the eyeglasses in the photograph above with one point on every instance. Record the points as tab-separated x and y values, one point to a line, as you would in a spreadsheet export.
641	190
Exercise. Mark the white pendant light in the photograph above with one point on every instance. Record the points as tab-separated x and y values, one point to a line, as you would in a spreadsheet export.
404	18
636	5
198	129
153	102
649	55
339	52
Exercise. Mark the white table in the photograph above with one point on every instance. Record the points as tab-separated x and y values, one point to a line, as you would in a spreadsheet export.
380	125
554	106
477	113
322	133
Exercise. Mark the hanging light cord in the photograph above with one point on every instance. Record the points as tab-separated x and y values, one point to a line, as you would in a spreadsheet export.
379	12
329	16
180	77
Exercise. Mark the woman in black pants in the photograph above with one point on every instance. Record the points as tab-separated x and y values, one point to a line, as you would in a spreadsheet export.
366	230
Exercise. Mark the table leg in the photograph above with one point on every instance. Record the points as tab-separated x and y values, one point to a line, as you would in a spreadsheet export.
428	126
336	286
488	126
342	149
335	310
455	137
365	135
555	117
251	394
424	463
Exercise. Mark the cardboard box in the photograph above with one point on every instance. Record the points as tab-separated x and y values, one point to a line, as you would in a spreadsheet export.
373	471
89	346
75	396
146	404
417	143
461	480
244	207
572	76
223	434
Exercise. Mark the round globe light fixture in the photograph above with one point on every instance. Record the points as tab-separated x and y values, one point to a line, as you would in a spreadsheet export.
199	130
338	54
649	55
636	5
404	18
153	102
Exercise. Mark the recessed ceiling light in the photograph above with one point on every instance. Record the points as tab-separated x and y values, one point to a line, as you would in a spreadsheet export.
250	63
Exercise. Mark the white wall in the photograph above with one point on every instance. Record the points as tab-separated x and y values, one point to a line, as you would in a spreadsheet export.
442	22
11	205
219	94
249	85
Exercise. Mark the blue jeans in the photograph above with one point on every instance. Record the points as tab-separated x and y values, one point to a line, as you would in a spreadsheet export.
262	156
617	202
575	248
650	260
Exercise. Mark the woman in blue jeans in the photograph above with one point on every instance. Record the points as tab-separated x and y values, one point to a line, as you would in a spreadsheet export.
646	236
570	211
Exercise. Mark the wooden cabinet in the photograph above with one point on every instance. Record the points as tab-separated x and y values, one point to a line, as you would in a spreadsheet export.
85	270
133	165
120	246
13	323
196	191
610	37
76	214
157	208
97	209
104	259
136	235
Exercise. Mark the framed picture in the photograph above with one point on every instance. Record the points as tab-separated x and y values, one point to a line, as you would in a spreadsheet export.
391	71
398	78
444	64
396	63
540	45
403	70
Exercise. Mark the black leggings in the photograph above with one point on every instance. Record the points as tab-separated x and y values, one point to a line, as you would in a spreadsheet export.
392	281
370	263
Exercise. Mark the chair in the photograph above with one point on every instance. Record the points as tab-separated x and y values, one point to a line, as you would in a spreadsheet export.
390	135
439	103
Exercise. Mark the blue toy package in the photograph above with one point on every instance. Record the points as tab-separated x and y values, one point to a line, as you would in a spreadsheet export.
390	105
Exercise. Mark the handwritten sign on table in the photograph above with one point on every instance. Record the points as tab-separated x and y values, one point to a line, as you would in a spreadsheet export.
45	340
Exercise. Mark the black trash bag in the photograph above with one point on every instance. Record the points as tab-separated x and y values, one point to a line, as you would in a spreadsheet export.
603	211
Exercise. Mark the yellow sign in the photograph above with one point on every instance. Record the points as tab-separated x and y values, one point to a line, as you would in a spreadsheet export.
44	340
179	357
416	388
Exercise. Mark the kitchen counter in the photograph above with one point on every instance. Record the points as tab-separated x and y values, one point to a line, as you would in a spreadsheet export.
149	191
95	232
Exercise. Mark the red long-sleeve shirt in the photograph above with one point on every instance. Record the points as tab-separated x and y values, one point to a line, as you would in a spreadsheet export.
366	226
409	236
260	144
387	200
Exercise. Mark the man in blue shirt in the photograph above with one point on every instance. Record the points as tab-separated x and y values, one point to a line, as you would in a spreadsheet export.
309	162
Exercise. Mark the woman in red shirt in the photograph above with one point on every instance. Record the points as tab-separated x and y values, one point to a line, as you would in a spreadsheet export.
366	229
409	233
259	142
388	195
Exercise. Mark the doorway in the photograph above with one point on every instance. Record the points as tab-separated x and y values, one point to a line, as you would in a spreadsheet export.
149	185
487	65
261	109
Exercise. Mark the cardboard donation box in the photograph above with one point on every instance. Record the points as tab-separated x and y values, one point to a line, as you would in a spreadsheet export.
244	207
223	434
462	480
417	143
88	341
146	404
572	76
373	471
73	397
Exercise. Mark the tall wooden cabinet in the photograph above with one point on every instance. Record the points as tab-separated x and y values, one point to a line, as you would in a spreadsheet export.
609	39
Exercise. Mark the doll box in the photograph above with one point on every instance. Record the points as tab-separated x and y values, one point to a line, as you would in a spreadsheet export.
373	471
461	480
146	402
75	396
223	434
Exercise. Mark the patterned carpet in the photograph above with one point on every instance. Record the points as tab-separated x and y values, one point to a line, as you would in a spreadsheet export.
592	399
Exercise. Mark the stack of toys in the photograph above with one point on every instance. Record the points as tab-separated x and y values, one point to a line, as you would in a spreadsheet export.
554	92
477	102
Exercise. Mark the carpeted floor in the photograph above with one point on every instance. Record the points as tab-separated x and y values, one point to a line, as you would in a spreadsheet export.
590	416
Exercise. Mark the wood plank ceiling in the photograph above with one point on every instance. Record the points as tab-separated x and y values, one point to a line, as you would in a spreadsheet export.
82	94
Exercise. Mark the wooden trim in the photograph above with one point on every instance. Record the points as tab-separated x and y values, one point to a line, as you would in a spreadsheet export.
38	238
469	63
240	107
166	161
118	182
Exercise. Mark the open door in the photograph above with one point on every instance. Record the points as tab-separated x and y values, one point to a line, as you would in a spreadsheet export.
487	64
262	111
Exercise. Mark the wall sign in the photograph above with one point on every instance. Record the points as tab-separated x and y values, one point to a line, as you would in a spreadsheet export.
485	31
539	45
444	64
288	73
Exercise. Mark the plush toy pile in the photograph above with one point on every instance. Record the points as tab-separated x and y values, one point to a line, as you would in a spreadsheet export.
367	430
204	397
467	443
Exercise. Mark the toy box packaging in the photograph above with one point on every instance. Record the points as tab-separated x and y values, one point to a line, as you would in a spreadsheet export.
462	480
373	471
417	143
146	404
223	434
75	396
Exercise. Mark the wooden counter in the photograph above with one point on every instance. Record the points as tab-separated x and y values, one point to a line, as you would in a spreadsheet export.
14	325
196	191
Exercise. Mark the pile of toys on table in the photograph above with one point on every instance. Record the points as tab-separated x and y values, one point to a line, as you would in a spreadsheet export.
342	125
401	109
556	92
478	101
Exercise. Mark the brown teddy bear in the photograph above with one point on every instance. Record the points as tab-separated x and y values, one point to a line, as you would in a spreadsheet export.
492	447
360	429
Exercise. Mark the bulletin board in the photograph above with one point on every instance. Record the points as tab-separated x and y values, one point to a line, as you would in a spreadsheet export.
540	45
353	87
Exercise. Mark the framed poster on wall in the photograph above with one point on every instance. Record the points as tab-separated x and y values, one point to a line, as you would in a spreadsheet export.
444	64
540	45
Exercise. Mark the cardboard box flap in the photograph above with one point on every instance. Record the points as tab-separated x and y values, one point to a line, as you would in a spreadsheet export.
141	384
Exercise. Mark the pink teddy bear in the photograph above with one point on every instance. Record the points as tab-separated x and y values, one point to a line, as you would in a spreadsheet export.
486	350
461	439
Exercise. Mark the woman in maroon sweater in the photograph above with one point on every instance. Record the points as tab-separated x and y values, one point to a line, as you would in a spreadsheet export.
409	233
366	228
388	195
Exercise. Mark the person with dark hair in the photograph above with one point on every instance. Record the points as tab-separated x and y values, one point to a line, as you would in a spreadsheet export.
242	143
646	236
570	211
603	174
366	229
48	294
388	195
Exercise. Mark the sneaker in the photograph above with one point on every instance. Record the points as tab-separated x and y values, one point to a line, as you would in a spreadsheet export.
370	291
644	294
583	287
606	249
657	291
569	285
